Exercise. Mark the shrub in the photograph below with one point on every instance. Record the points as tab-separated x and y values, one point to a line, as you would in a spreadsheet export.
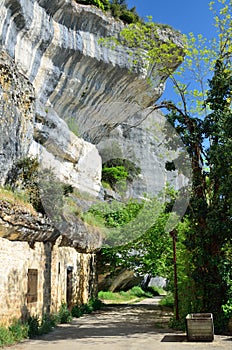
76	311
114	174
137	291
65	315
33	326
92	305
168	300
96	304
19	330
47	324
6	336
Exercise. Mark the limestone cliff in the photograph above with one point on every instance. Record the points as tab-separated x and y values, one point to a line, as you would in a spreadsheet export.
55	44
64	97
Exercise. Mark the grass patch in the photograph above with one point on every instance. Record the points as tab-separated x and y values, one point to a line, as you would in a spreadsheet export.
155	290
122	296
168	300
18	198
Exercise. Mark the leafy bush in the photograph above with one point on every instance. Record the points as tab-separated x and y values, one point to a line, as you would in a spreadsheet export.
6	336
137	291
118	9
33	324
76	311
92	305
114	174
102	4
19	330
168	300
48	323
65	315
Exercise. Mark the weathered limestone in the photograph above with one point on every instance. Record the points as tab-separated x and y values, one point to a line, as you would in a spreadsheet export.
144	143
55	43
26	128
73	160
16	115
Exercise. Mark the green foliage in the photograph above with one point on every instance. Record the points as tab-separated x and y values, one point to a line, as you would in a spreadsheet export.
139	292
16	332
64	313
117	8
76	311
48	323
203	116
116	214
24	176
167	300
98	3
114	174
6	336
92	305
149	44
19	330
135	292
33	324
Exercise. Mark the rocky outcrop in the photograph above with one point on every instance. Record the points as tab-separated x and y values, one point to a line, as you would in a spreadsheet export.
24	131
144	140
16	115
73	160
20	222
55	43
26	128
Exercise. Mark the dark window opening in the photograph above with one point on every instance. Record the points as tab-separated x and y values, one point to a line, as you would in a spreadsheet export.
69	286
32	286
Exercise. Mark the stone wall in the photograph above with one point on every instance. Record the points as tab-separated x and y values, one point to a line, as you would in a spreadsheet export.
52	263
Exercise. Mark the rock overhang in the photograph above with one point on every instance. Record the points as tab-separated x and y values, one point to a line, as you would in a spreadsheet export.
57	46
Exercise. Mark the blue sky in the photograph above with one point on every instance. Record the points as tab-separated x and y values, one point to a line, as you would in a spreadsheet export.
184	15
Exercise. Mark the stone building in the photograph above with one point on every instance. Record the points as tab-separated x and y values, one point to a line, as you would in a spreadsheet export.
39	268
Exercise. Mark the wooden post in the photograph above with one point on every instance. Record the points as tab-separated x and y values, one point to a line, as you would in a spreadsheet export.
173	233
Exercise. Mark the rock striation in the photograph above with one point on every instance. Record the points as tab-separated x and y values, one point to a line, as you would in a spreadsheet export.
64	97
20	222
16	115
56	45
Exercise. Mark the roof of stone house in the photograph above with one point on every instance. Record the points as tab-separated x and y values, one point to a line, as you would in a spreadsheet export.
20	222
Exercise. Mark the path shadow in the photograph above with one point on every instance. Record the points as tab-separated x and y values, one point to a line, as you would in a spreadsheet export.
174	338
113	321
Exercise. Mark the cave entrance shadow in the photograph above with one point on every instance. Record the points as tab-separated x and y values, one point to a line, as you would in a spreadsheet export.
180	338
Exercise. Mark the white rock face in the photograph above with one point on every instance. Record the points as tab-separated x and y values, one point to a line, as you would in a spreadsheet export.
149	146
55	43
73	160
84	92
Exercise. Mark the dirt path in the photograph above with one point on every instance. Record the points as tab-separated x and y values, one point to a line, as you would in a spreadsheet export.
142	326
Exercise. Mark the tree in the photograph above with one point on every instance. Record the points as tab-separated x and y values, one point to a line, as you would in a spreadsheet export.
210	206
202	117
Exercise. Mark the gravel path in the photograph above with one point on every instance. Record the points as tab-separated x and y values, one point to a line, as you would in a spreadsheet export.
141	326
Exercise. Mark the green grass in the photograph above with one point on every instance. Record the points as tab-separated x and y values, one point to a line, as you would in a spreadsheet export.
122	296
168	300
19	198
